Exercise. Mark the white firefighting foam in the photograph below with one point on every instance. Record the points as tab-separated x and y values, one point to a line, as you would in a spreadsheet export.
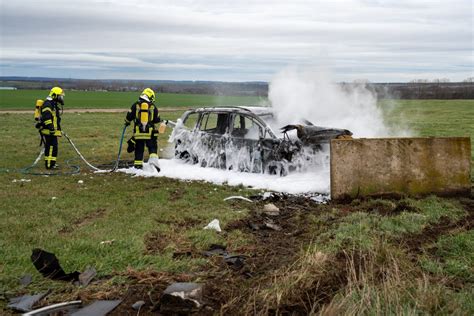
295	183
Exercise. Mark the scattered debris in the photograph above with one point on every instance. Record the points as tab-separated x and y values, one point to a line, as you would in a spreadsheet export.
271	210
270	224
214	224
21	180
98	308
64	308
182	297
107	242
254	226
25	303
215	250
238	197
48	265
86	277
267	195
53	198
138	305
26	280
236	262
320	198
80	181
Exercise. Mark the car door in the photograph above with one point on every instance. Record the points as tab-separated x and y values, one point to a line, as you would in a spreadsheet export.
209	147
243	148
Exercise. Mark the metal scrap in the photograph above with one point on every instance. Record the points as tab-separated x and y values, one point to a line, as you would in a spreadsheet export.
98	308
86	277
182	297
25	303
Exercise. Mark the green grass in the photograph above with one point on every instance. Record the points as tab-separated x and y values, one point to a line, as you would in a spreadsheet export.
131	210
25	99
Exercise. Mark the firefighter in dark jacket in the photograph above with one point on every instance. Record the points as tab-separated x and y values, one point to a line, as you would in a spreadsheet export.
50	125
144	115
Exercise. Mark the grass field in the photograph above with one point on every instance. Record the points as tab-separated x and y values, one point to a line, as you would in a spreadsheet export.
25	99
409	256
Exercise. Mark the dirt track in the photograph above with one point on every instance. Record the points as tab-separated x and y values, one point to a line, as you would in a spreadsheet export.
166	109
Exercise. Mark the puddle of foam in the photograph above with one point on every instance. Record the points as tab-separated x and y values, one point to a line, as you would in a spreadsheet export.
314	181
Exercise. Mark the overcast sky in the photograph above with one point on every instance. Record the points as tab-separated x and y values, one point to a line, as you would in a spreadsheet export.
379	40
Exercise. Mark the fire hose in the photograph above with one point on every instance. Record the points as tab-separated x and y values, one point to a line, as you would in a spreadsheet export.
74	168
116	164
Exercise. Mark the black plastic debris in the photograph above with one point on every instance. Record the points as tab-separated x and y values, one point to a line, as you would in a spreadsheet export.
26	280
64	308
138	305
98	308
182	297
48	265
215	250
25	303
236	262
86	277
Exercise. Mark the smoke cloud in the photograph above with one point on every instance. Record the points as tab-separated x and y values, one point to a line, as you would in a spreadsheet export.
300	94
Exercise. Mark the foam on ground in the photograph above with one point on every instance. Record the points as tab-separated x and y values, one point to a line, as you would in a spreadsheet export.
316	181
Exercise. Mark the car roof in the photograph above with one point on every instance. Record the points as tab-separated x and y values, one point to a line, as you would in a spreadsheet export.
257	110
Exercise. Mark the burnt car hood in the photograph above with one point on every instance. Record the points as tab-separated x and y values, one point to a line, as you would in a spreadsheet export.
311	134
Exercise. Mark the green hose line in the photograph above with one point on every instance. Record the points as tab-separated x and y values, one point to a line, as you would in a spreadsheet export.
74	169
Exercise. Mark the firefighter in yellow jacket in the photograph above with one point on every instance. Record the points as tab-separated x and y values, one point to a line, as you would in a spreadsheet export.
144	115
50	125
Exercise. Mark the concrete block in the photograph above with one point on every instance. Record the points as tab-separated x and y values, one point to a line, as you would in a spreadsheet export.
400	166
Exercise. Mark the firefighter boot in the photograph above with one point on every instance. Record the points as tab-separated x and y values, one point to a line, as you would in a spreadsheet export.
154	162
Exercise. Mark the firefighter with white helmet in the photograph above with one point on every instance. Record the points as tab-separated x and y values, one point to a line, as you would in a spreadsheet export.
144	115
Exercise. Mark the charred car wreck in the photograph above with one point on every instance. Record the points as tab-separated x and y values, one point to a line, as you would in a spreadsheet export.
240	138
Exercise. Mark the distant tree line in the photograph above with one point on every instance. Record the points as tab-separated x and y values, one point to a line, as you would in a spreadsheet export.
416	89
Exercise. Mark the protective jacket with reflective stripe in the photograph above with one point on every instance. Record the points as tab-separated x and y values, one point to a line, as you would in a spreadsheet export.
50	118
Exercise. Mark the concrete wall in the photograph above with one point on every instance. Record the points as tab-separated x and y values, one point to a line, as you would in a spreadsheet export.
413	166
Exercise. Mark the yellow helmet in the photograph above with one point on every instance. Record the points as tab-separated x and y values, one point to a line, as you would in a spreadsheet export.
57	94
149	94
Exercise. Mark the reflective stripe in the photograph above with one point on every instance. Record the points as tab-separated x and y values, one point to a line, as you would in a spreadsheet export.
46	109
50	157
143	136
138	162
47	122
153	155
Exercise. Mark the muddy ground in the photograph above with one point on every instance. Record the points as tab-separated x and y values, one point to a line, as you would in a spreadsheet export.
277	242
228	286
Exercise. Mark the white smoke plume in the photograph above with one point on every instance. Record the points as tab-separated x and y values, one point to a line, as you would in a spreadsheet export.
300	94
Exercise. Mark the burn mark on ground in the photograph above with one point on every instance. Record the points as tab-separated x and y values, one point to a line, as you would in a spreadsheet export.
83	221
173	236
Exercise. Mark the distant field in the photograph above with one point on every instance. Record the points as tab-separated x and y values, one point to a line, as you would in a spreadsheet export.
25	99
431	117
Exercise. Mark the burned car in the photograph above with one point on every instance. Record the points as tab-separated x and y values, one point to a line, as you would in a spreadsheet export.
241	138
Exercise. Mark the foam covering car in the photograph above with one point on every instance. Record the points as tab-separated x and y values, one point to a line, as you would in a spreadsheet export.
242	138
